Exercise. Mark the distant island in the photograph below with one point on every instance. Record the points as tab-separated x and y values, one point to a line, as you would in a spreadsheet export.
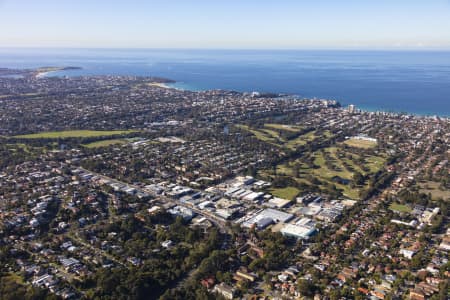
43	71
20	73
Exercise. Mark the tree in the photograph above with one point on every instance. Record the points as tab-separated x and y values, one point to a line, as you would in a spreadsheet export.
358	178
306	287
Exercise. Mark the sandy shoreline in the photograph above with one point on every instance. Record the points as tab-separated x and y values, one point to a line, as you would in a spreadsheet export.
43	74
160	84
164	86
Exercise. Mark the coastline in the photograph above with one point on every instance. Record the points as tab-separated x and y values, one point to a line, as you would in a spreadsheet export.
159	84
167	85
45	71
184	86
416	83
42	74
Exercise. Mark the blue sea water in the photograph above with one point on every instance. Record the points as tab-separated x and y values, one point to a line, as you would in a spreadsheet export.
416	82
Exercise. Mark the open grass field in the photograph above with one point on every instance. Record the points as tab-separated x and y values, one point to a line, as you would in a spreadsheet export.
105	143
301	140
288	193
291	128
73	134
273	134
399	207
326	172
260	135
375	163
432	187
360	143
337	165
327	163
270	134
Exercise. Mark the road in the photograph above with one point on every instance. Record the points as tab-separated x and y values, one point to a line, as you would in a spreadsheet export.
94	249
220	223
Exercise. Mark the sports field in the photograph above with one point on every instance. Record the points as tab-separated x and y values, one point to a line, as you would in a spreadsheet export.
288	193
399	207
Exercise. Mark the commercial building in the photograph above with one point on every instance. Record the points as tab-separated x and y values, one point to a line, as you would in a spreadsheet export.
298	231
268	217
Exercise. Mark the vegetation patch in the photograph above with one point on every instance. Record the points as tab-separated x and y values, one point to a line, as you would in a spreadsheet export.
291	128
330	170
105	143
73	134
12	286
435	189
260	135
286	136
300	140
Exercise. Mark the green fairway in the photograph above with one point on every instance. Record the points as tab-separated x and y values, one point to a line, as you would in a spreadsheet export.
324	171
288	193
347	191
375	163
291	128
73	134
104	143
360	143
271	134
325	165
341	164
260	135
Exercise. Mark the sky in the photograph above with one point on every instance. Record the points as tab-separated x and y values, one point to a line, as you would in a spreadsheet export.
226	24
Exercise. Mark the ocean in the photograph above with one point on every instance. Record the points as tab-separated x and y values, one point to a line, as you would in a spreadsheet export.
416	82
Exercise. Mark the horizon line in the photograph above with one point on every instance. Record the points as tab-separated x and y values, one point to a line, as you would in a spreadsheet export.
412	49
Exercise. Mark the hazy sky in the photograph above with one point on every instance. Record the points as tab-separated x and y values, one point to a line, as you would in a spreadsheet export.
226	23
